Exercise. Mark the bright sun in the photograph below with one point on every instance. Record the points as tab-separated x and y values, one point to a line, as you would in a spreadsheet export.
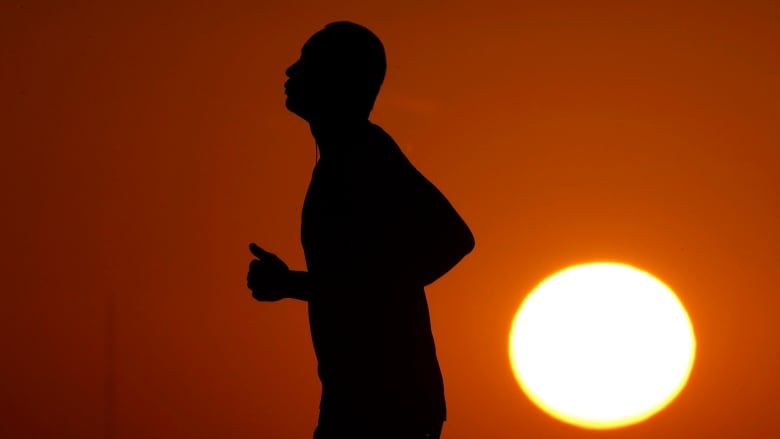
602	345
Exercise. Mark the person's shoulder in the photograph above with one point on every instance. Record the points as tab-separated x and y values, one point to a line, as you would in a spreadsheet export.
385	152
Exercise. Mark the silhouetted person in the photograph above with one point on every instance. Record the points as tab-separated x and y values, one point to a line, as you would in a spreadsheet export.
375	232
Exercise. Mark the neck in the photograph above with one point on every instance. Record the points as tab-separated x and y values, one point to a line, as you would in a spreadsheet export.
336	135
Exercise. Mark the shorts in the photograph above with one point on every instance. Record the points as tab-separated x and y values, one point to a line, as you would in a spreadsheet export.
377	432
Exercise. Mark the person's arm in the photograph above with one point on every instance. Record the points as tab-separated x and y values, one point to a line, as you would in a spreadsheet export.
436	237
443	245
270	279
404	232
299	286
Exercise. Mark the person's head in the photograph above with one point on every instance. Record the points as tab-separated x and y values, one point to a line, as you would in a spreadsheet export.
338	75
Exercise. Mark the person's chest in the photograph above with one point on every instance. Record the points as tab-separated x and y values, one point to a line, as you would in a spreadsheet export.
352	204
333	210
331	196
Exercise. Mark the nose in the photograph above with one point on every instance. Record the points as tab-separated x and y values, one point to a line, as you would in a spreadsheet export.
292	69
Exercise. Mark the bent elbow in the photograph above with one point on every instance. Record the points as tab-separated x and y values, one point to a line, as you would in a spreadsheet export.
466	243
469	243
451	258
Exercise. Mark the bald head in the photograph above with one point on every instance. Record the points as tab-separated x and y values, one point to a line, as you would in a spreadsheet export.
340	71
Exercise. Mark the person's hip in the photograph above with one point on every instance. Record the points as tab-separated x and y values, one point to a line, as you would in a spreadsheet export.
358	430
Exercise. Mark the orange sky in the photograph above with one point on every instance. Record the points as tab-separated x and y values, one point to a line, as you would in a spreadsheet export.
145	145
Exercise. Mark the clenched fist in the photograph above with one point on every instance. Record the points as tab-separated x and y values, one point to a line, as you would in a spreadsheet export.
268	275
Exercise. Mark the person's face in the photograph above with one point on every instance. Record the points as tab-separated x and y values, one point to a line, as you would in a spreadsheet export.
296	88
307	87
322	84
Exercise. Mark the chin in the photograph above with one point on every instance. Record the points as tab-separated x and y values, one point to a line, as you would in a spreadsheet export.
296	108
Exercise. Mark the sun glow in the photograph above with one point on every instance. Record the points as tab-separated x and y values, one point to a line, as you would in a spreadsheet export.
602	345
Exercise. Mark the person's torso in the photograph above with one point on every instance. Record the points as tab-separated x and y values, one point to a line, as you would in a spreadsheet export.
374	344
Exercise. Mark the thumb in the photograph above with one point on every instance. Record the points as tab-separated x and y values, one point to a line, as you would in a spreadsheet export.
258	252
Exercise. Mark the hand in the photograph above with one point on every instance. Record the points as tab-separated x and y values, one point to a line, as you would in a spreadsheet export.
267	275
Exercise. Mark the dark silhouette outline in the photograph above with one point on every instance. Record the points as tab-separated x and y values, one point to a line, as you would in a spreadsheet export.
375	232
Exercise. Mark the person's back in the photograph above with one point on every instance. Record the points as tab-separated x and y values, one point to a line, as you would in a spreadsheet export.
375	232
